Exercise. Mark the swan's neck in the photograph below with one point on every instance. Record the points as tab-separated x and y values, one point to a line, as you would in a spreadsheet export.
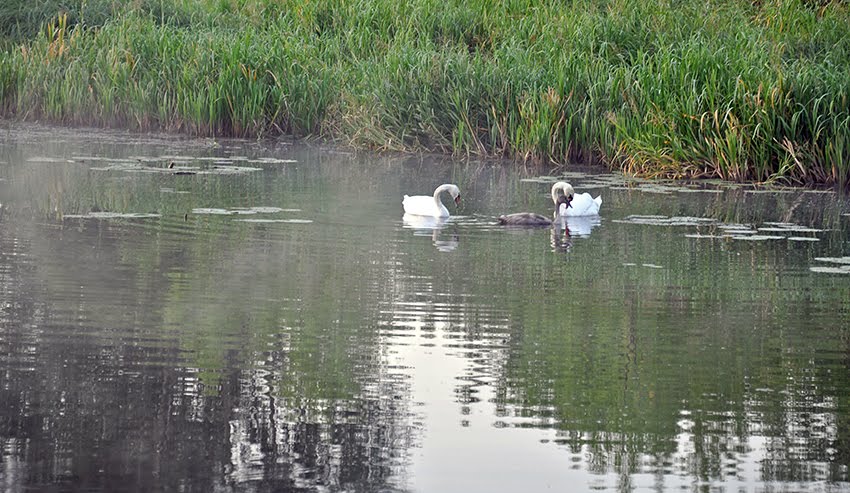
438	191
560	186
564	188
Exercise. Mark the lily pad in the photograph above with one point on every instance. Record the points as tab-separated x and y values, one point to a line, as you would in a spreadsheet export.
171	190
757	237
656	190
211	210
111	215
699	190
831	270
292	221
168	157
539	179
177	169
799	229
103	158
803	238
834	260
43	159
271	160
666	221
593	185
241	210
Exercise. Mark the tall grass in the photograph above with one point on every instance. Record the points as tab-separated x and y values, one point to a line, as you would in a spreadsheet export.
731	88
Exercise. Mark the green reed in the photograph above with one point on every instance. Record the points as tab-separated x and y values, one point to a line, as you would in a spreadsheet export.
736	89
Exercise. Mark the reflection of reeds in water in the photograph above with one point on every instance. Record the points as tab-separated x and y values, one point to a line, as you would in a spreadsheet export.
645	87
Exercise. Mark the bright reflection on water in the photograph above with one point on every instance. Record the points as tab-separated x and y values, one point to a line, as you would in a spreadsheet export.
198	315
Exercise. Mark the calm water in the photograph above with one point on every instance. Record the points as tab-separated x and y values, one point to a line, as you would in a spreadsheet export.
268	322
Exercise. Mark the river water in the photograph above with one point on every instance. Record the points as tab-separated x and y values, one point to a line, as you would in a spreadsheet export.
230	315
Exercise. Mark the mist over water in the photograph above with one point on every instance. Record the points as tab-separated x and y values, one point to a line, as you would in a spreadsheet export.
231	315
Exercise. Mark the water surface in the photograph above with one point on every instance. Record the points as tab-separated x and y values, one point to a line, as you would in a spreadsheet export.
227	315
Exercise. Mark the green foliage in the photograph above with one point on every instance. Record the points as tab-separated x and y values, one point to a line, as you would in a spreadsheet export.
741	90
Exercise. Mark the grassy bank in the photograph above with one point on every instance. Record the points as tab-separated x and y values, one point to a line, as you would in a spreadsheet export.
737	89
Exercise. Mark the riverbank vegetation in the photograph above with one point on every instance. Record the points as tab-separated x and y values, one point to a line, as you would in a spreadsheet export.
743	90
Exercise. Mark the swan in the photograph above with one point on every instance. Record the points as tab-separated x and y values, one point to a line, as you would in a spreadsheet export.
424	205
577	204
531	218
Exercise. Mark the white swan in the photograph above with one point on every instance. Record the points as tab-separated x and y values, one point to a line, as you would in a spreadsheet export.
578	204
424	205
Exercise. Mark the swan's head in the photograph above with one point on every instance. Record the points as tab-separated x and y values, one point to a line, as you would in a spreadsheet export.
454	191
562	200
562	189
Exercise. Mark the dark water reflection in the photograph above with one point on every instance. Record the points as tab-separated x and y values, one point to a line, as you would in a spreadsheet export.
325	343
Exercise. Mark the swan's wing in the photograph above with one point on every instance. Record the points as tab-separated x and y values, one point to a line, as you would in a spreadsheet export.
417	201
423	205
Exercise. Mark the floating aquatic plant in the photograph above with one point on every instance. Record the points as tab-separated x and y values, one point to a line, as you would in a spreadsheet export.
834	260
803	238
111	215
49	160
831	270
241	210
666	221
292	221
843	266
175	169
757	237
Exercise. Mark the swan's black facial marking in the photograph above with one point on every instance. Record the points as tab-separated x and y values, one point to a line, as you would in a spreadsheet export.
457	200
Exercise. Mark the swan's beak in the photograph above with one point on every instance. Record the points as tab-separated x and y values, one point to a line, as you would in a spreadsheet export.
457	201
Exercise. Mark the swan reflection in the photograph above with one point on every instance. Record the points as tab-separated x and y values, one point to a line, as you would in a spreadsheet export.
581	226
433	227
560	236
565	228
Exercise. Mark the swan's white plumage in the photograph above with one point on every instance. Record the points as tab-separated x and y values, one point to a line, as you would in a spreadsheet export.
431	206
582	204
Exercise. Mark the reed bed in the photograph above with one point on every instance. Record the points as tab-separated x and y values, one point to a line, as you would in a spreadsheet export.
736	89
